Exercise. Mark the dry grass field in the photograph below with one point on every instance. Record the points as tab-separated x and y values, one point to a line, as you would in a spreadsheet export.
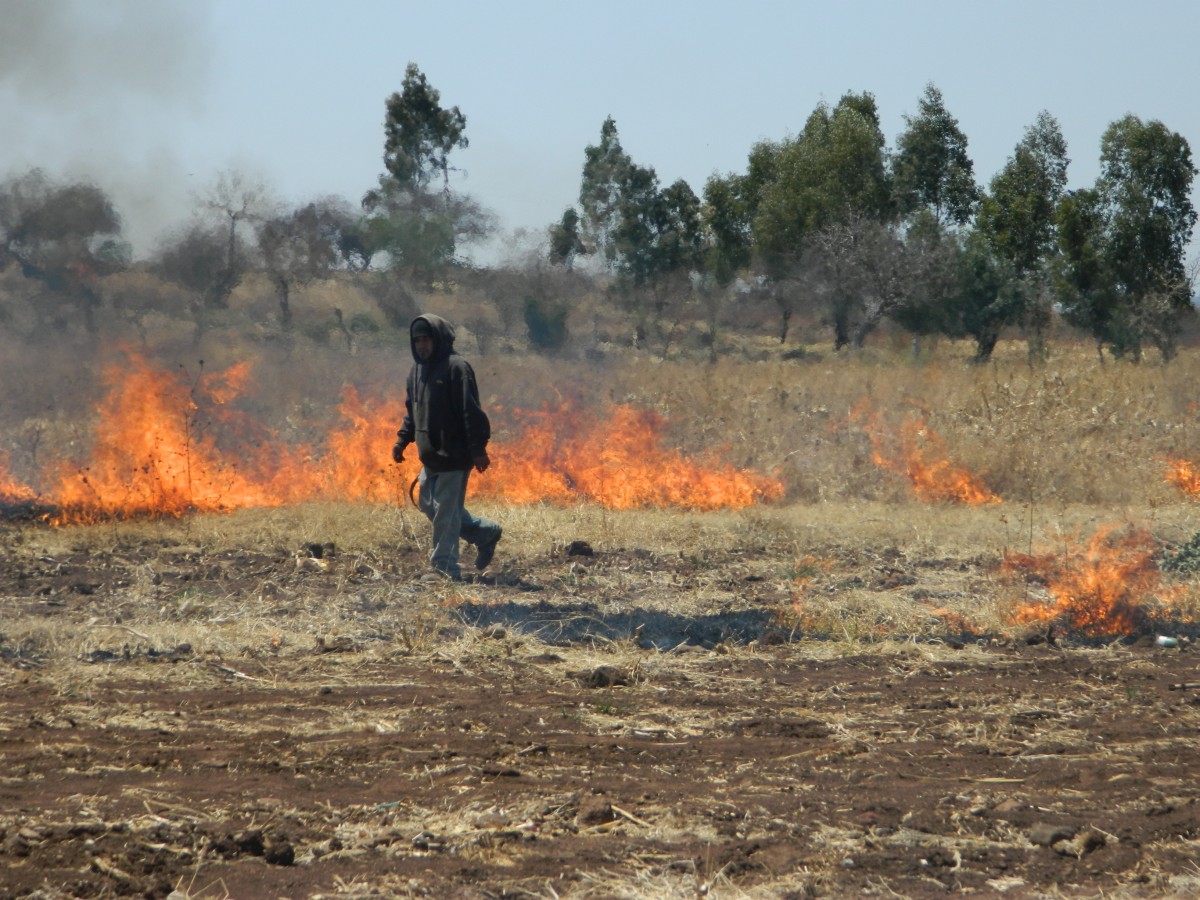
915	653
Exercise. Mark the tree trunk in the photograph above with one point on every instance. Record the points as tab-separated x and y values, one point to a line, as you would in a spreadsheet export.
283	291
985	343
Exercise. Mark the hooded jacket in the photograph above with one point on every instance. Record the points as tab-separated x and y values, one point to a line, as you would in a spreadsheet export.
442	412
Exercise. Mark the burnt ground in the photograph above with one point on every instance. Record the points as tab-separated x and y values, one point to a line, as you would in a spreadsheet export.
191	722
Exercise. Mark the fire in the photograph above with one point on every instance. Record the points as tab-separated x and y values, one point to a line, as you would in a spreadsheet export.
156	450
167	444
1101	587
1184	475
918	453
356	465
12	491
561	456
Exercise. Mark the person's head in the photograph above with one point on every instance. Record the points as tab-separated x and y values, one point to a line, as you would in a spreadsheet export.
423	340
432	338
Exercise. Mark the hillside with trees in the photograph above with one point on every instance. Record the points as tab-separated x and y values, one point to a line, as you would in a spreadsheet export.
826	236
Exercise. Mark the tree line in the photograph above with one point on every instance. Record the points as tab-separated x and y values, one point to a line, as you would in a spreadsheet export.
831	222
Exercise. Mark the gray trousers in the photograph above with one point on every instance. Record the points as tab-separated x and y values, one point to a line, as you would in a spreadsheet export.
441	497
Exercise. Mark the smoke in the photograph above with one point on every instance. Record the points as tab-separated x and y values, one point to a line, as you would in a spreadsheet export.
102	92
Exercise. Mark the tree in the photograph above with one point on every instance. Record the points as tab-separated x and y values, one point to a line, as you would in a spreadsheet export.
931	168
726	215
834	170
1017	216
1145	183
298	247
650	237
728	245
420	230
419	134
867	271
988	296
63	236
605	171
1082	282
1018	213
566	242
659	242
1122	275
200	260
419	240
935	251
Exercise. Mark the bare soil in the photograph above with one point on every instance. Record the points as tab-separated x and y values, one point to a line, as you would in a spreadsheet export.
221	722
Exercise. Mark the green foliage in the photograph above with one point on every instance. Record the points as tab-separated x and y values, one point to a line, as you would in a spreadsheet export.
832	171
988	298
419	133
415	231
726	214
63	236
605	170
1018	214
932	169
546	322
1122	274
566	241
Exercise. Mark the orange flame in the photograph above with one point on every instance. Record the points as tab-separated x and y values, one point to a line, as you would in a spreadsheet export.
166	445
561	456
11	490
918	453
1100	587
1184	475
156	451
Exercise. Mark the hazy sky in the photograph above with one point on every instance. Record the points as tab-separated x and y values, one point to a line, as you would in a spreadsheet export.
153	98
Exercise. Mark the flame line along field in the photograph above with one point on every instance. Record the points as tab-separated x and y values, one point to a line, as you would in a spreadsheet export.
166	445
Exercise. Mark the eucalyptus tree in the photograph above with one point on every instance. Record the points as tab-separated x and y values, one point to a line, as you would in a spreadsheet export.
931	168
420	134
1017	215
832	171
987	296
419	228
728	245
659	243
649	237
565	240
1124	274
606	169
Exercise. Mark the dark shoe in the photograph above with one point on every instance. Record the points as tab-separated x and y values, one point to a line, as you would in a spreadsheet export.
485	550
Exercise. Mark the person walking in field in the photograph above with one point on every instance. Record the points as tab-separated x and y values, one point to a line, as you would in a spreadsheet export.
445	420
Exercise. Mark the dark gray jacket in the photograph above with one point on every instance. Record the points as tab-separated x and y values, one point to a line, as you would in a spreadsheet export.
443	416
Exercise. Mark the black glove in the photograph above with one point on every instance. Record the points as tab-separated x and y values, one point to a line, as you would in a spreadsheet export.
398	451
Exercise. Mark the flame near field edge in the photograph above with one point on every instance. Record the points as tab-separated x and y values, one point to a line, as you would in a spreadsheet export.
165	444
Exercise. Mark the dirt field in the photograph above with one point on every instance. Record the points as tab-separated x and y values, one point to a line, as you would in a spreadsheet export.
189	713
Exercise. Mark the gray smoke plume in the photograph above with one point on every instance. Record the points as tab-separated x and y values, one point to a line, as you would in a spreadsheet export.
100	90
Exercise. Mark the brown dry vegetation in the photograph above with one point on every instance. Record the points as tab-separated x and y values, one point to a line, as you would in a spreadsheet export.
825	696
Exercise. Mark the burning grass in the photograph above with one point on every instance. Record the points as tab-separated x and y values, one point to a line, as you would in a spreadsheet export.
1184	474
1107	585
168	444
918	454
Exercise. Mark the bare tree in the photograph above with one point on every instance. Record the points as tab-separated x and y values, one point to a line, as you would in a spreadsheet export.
298	247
